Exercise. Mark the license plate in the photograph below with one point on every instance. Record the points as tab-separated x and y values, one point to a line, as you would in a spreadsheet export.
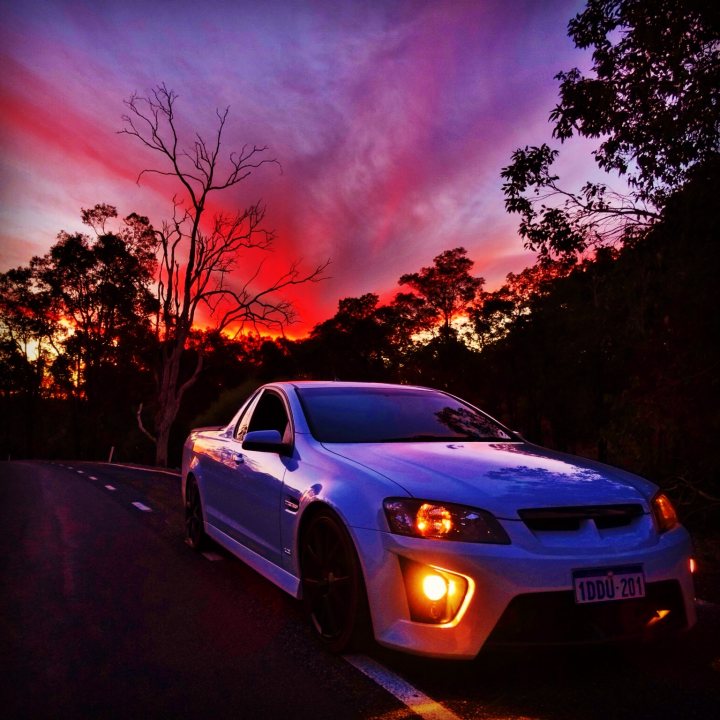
607	584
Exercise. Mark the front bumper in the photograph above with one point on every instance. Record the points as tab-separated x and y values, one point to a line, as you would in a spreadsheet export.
522	596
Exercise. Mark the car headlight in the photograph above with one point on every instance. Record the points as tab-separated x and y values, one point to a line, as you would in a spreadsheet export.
443	521
663	513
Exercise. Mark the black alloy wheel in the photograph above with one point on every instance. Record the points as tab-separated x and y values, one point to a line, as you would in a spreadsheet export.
195	535
333	590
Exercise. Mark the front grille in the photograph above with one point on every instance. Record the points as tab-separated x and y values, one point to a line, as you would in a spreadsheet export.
553	618
605	517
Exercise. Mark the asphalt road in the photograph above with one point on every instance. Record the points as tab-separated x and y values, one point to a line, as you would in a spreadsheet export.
105	613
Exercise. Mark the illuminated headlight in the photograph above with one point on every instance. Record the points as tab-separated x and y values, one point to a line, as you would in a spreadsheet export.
443	521
434	595
663	513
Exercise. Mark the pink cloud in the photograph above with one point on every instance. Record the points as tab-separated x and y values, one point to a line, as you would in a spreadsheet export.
391	121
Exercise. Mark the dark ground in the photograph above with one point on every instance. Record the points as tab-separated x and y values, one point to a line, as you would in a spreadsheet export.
707	576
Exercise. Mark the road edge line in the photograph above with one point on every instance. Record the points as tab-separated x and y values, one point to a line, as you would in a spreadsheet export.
420	703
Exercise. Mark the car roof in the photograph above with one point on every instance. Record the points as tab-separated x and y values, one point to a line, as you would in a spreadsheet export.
299	384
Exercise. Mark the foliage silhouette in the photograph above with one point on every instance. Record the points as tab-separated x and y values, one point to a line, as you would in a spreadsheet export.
652	101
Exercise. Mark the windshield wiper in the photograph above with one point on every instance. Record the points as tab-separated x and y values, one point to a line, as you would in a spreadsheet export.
446	438
424	438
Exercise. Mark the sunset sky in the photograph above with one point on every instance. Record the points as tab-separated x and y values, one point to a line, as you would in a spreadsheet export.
391	120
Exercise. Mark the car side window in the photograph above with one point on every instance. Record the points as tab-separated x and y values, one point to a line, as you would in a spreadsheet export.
242	423
269	414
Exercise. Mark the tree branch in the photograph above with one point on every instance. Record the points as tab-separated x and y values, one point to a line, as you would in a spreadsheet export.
142	427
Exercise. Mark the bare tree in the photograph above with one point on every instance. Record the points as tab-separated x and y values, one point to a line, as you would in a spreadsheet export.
198	255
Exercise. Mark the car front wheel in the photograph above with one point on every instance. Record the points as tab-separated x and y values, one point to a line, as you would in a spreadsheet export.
333	590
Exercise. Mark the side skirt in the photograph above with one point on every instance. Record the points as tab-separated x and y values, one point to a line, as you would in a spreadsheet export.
276	575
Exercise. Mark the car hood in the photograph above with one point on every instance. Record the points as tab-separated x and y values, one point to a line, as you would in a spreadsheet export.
500	477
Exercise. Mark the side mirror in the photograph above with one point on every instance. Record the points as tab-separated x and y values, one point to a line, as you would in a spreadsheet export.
264	441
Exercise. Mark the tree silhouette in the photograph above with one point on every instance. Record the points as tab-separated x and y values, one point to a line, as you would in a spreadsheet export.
199	255
494	314
654	96
446	286
74	326
26	337
99	287
26	331
652	102
559	224
351	345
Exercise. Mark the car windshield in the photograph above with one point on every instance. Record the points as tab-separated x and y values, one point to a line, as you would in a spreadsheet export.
368	415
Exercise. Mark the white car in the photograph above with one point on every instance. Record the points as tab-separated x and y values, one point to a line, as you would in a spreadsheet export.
405	514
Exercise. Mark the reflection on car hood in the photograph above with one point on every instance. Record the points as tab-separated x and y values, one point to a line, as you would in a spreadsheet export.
500	477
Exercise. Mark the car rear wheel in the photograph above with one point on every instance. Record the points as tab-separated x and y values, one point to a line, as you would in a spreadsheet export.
333	589
195	535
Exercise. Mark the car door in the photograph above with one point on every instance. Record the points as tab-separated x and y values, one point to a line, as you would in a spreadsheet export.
252	482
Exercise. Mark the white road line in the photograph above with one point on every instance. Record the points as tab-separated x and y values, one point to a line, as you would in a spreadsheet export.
211	556
417	701
92	477
80	472
142	507
111	488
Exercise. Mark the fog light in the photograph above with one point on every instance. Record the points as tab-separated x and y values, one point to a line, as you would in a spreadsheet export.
693	565
434	587
435	596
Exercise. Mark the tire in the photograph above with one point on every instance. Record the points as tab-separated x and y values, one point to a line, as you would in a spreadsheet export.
333	590
195	535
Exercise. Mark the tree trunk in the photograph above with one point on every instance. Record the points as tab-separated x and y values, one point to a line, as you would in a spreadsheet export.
161	447
170	395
